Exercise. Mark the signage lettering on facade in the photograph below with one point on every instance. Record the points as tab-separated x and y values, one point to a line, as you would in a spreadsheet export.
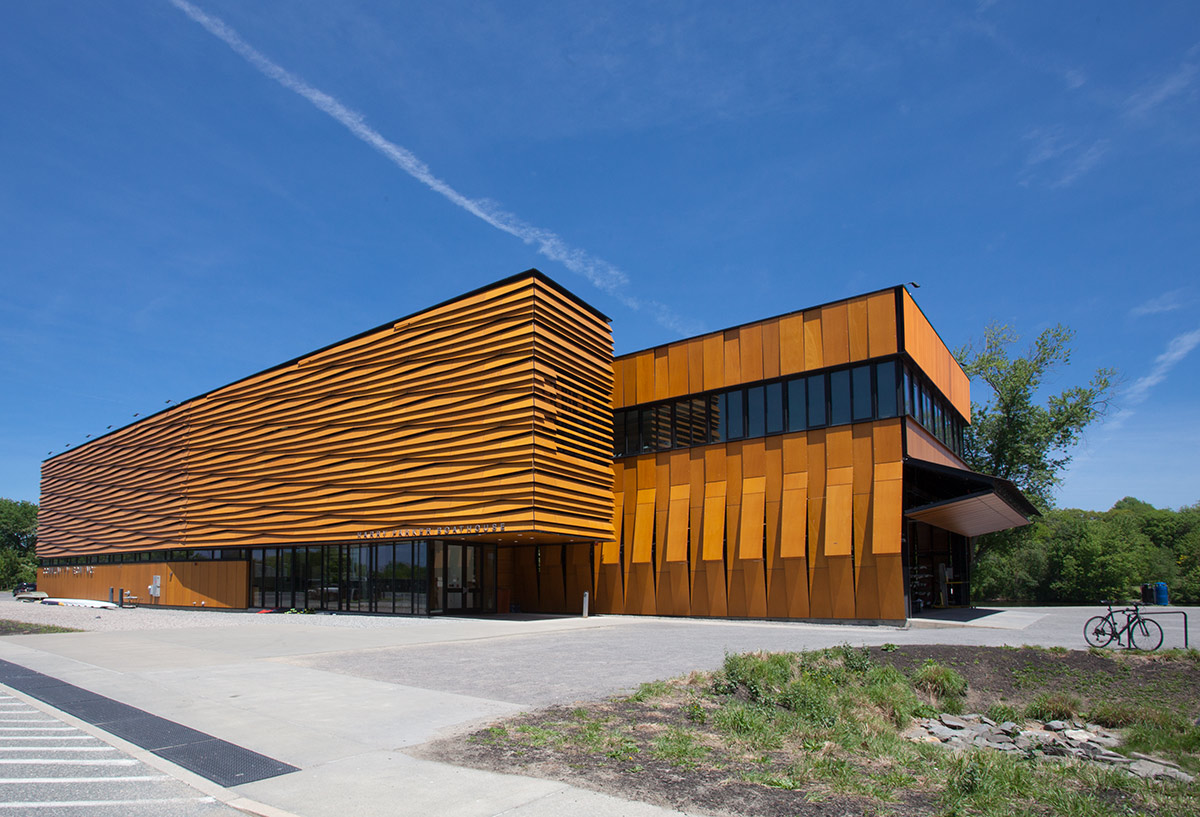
408	531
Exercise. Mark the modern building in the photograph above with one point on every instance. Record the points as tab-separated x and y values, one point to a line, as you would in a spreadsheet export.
489	454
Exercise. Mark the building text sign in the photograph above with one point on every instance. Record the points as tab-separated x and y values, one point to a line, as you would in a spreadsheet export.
410	531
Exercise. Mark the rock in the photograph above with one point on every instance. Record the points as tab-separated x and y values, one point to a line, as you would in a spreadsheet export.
1151	759
1147	769
1080	735
988	720
1176	774
1106	741
941	732
952	722
1008	728
1055	726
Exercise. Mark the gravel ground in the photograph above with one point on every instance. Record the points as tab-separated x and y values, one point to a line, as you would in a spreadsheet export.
143	618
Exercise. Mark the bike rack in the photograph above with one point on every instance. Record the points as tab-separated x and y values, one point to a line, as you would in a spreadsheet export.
1151	613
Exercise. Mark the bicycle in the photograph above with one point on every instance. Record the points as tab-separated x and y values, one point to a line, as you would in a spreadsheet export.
1143	633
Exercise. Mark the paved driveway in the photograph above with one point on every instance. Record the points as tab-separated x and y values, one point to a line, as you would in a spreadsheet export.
340	697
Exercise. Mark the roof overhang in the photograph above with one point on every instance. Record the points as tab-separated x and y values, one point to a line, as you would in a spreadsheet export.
968	503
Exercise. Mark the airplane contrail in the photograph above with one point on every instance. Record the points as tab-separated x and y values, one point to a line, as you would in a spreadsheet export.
599	272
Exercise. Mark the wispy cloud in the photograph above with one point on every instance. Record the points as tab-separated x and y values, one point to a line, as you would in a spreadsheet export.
1082	163
1179	348
1167	302
1052	152
1153	94
599	272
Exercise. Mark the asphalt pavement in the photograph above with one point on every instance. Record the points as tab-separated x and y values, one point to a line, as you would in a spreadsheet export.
342	699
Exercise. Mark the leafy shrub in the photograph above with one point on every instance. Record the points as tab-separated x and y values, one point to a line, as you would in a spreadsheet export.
811	699
695	713
857	661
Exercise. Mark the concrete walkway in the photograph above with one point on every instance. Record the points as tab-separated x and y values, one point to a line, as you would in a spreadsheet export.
342	702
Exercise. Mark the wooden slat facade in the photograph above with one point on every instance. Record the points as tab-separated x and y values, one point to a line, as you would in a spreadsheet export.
492	408
497	408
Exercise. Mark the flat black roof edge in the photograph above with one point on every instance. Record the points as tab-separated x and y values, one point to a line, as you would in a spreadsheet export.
894	288
532	272
1006	489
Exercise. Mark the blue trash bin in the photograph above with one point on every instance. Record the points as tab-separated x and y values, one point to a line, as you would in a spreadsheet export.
1160	593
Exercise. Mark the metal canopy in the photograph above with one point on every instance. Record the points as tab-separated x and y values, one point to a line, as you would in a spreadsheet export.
968	503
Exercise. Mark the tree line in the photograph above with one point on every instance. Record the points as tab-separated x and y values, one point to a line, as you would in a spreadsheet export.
18	541
1081	557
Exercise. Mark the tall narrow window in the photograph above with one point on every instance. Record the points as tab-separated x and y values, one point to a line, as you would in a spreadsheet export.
734	406
632	444
756	412
646	432
796	409
683	424
718	418
662	427
885	379
839	397
618	433
816	400
774	408
860	383
698	415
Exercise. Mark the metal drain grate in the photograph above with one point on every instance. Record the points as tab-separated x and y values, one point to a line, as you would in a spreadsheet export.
220	761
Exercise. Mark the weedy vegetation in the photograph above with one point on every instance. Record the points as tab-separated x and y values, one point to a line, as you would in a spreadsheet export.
796	730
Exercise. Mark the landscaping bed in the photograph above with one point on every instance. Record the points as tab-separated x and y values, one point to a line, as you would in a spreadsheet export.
8	627
823	733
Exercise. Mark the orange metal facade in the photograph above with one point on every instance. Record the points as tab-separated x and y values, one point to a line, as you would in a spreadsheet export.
490	409
800	525
495	409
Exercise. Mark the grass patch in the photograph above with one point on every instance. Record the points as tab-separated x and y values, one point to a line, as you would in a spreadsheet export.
651	690
9	627
1053	706
944	685
679	747
767	734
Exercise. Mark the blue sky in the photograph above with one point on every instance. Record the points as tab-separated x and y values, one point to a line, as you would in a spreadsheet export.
186	199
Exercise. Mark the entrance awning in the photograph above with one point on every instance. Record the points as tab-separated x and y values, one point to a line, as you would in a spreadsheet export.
966	502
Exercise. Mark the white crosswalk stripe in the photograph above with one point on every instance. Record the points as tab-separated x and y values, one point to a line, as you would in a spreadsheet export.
50	767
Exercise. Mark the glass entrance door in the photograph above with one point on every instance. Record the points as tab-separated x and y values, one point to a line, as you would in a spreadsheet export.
469	577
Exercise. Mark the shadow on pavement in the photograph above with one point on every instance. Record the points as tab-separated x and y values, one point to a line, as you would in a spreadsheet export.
956	614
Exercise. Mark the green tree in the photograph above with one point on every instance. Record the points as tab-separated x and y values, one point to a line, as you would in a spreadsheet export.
16	567
1015	432
18	525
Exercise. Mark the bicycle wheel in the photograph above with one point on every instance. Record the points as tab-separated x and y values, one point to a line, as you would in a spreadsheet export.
1145	634
1099	630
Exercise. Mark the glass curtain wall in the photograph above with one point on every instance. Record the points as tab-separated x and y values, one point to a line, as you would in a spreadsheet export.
416	577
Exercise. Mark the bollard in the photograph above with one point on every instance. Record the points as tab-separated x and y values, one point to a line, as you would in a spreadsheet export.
110	595
121	596
585	604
